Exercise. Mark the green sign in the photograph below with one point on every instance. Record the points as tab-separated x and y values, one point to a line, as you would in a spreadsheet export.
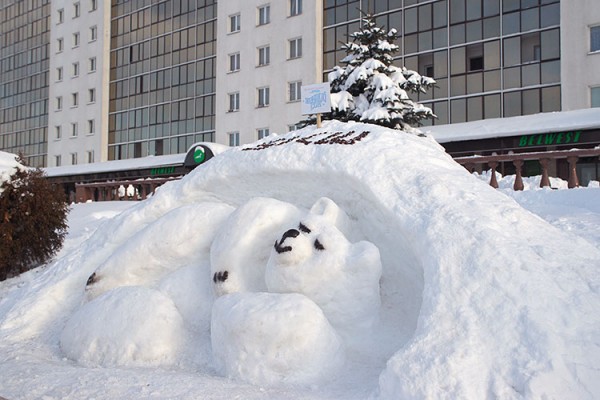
199	155
162	170
549	139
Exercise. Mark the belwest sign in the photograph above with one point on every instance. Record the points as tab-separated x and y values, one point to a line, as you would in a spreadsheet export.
550	139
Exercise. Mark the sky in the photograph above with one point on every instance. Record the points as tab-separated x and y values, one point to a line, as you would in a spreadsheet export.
346	262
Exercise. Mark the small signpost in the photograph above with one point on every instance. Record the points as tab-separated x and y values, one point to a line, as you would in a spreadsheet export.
316	100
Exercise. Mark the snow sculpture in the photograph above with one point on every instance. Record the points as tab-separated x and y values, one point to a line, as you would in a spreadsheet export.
131	326
269	338
316	259
241	248
144	260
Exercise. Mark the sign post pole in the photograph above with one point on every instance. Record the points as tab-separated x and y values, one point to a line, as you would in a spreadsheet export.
316	100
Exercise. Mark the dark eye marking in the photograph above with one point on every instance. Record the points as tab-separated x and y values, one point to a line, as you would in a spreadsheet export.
91	279
318	245
303	228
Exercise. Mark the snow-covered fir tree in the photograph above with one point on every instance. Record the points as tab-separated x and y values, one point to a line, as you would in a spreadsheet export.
369	88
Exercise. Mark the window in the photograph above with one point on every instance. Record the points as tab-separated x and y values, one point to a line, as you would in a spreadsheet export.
93	33
264	55
90	156
91	95
234	139
294	90
74	129
295	48
73	158
57	160
59	45
595	96
76	10
234	101
59	103
58	132
264	14
262	133
75	97
92	64
595	38
234	23
76	39
93	5
59	74
263	97
234	62
60	16
293	127
91	127
295	7
75	69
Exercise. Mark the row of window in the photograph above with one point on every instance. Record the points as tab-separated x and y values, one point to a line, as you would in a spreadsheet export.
234	137
263	15
91	129
76	39
89	156
263	55
92	65
75	99
76	11
263	96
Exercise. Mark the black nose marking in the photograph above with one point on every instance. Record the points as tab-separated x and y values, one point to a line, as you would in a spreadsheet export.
91	279
291	233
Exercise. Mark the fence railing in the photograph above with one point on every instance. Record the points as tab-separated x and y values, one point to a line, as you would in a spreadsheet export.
118	190
518	159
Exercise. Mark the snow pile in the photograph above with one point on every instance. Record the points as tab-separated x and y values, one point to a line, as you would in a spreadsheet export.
464	293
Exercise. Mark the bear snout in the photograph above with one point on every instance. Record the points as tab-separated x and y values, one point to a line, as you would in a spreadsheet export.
291	233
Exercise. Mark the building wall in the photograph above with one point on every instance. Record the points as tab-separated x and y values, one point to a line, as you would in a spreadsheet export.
162	76
580	69
490	58
83	127
281	113
24	63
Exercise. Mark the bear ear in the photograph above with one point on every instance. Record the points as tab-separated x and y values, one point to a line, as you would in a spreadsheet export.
332	214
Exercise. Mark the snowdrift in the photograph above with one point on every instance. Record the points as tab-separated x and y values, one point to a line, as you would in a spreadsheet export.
479	298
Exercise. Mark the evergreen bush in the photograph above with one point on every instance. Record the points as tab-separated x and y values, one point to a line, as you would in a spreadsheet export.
33	221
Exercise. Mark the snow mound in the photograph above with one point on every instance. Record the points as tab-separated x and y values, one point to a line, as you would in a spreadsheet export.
129	326
268	338
479	297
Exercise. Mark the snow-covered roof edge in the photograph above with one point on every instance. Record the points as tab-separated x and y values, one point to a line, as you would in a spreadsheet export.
559	121
116	165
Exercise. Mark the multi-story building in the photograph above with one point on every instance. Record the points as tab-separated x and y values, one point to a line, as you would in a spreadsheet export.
24	63
162	76
127	79
78	106
266	52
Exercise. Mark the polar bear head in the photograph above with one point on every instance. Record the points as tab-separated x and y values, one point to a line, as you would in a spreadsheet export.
316	259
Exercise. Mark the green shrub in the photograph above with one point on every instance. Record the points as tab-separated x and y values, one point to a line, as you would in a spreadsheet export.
33	221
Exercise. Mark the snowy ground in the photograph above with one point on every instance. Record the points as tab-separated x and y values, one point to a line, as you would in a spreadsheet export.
481	296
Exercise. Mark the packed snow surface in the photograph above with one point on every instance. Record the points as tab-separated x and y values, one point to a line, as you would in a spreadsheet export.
245	280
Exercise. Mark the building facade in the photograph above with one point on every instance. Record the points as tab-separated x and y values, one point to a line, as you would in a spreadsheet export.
78	90
266	52
24	65
87	80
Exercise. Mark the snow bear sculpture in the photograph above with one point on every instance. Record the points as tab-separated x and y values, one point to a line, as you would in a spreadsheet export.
316	259
274	338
